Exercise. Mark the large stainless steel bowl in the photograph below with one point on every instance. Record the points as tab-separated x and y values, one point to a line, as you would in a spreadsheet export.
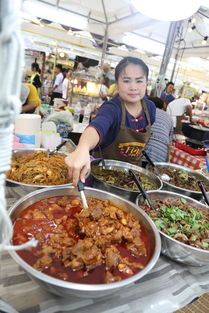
64	288
26	188
123	166
167	186
172	248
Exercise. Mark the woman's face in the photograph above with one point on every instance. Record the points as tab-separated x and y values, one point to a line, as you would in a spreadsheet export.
132	84
170	89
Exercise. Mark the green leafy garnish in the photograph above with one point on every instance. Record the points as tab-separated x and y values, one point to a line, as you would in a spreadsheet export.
159	224
172	230
205	244
183	200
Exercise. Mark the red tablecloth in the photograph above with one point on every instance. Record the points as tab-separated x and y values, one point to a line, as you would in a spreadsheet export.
180	157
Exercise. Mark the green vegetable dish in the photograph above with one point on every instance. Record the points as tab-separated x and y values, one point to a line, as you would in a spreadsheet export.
122	179
181	221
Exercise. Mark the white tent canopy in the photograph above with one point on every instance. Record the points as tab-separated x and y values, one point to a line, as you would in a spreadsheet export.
125	25
122	19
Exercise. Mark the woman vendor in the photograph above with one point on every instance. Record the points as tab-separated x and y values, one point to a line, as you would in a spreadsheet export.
122	127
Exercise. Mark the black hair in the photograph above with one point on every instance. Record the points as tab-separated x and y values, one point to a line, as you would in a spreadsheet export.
157	101
130	60
169	83
65	71
36	66
59	66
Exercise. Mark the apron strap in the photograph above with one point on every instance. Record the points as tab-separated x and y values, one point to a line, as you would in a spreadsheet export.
147	115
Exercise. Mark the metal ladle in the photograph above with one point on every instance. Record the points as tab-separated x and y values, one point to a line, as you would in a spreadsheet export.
83	196
102	158
164	177
204	192
57	148
141	189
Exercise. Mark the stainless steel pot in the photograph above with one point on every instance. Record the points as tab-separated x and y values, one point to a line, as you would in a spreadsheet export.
172	248
26	188
167	186
123	166
63	288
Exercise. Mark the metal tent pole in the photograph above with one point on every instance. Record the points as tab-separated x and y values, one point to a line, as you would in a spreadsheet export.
104	45
105	35
172	33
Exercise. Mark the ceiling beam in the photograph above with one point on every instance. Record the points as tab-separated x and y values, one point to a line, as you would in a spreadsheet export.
71	11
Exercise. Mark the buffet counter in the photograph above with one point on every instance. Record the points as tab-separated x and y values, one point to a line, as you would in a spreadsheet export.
165	289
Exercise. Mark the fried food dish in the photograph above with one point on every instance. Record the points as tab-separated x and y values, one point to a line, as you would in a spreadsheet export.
39	169
122	179
181	221
101	244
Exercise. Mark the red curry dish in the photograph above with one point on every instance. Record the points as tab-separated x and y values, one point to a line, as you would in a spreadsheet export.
102	244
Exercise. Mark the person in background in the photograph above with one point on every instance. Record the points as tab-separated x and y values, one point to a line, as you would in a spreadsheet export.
112	91
103	92
35	77
57	89
157	147
47	75
66	83
167	94
176	109
122	126
29	98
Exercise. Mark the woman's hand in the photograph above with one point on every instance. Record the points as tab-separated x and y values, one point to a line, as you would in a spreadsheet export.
78	163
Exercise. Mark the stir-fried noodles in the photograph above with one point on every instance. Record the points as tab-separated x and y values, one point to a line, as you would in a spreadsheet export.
39	168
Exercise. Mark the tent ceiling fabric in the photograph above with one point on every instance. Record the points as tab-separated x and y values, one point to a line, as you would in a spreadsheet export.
94	9
124	19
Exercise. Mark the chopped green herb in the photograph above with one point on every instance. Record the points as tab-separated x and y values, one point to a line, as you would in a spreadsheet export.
206	225
172	230
183	200
193	238
159	224
196	226
205	244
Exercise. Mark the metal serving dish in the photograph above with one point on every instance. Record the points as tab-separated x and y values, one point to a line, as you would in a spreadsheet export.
172	248
63	288
167	186
26	188
122	166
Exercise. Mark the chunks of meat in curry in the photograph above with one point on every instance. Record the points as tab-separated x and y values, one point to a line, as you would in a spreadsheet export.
101	238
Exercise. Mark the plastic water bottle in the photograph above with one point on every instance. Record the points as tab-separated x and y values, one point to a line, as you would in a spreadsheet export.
77	111
87	114
62	129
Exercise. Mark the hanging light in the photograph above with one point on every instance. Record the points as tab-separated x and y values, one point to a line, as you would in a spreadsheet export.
193	20
62	54
165	10
190	29
204	41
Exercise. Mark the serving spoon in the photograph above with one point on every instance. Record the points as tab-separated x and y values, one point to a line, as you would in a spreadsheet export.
141	189
83	196
57	148
164	177
102	158
204	192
